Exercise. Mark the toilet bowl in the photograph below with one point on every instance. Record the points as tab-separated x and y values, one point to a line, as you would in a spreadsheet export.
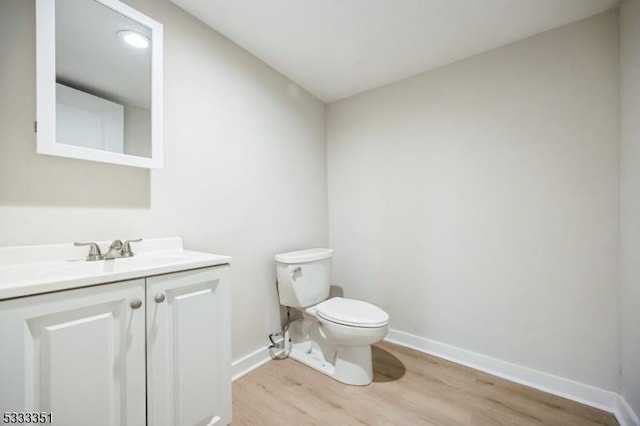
351	322
334	335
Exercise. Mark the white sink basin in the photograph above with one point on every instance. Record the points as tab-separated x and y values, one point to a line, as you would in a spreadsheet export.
31	270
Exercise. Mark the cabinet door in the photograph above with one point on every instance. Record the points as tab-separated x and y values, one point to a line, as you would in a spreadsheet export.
78	354
189	348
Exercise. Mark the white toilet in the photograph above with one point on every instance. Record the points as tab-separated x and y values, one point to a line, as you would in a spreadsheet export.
335	335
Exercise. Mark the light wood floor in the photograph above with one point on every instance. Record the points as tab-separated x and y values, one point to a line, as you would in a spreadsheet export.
409	388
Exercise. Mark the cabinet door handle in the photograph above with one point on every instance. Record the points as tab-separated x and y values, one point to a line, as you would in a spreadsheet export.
159	298
136	304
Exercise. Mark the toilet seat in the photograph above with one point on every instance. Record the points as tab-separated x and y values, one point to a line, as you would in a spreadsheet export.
355	313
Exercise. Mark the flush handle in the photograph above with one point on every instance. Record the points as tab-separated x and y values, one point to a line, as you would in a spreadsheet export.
296	270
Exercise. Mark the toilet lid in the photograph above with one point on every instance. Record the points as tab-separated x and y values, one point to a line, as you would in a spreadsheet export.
352	312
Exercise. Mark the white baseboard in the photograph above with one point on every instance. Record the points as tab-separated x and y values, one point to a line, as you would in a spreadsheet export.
625	414
566	388
249	362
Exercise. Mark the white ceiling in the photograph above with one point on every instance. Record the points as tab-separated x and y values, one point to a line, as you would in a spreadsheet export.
337	48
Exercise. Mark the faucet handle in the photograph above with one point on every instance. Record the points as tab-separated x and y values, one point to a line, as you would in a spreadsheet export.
126	247
94	251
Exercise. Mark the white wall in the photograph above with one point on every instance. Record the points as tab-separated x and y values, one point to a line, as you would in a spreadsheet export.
245	164
630	201
477	203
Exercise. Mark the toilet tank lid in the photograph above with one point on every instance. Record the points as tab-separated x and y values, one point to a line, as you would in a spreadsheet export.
302	256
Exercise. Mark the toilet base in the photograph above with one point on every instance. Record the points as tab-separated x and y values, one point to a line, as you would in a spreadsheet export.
351	365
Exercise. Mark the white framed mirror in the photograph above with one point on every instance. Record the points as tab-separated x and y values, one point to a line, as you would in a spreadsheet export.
99	82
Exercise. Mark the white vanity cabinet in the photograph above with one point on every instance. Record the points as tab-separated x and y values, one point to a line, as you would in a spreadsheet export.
78	354
151	351
188	348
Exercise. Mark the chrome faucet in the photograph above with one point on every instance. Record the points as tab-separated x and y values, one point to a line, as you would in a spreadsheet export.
126	247
117	250
94	251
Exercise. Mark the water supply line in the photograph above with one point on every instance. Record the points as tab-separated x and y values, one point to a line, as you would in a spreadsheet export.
278	341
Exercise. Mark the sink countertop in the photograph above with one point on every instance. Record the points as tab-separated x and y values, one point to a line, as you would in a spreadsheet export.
29	270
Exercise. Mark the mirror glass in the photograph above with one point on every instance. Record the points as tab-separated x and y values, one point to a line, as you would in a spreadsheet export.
99	85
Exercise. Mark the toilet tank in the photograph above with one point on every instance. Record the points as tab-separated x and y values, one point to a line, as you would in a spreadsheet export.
304	277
